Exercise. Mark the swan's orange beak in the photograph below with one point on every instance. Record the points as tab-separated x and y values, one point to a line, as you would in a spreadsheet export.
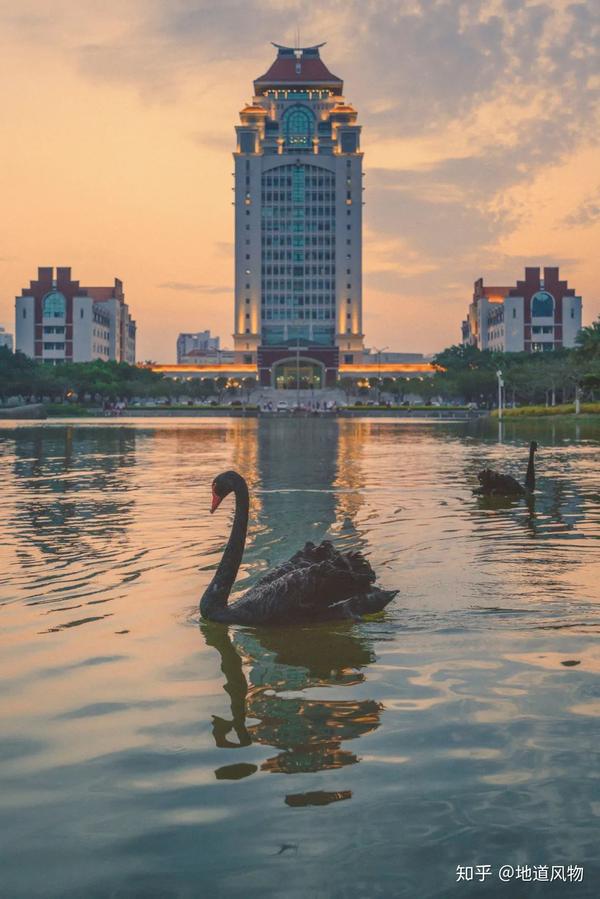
216	501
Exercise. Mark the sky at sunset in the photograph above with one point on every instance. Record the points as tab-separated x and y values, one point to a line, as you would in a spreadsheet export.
480	133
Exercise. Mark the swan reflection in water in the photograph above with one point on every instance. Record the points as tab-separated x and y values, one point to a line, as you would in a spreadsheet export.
308	733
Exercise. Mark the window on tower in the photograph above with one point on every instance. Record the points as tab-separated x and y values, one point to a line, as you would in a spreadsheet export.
349	142
247	142
298	127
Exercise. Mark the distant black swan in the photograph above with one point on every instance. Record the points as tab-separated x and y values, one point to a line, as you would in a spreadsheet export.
495	484
317	584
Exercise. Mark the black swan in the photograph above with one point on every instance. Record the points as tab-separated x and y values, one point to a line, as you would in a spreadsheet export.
317	584
493	483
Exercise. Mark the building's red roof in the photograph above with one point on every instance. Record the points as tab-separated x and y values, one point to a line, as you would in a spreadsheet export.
100	293
295	67
106	293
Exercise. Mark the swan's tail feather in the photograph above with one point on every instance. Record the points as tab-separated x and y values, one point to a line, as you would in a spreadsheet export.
364	604
326	552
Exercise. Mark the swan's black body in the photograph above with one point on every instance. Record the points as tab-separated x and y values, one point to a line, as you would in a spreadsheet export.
493	483
317	584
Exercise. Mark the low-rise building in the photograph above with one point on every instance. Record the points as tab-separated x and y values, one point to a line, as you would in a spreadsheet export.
538	314
58	320
207	357
373	355
6	339
200	341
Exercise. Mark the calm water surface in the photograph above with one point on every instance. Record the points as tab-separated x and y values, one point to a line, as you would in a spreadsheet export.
147	755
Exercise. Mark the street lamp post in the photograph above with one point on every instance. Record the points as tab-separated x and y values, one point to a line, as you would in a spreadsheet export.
379	351
500	386
297	373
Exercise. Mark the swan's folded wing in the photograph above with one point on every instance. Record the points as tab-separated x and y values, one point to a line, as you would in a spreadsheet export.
305	592
298	560
495	482
354	562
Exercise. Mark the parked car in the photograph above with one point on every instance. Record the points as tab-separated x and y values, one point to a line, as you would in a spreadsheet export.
282	406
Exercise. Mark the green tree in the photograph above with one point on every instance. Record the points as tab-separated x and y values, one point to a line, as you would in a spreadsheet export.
348	385
588	341
220	385
248	385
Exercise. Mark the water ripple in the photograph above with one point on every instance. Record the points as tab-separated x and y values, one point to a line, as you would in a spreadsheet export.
140	745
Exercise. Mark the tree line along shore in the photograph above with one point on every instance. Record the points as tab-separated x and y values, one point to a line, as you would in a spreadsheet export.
534	383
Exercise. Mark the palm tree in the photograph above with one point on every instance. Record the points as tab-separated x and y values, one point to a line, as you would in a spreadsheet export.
588	341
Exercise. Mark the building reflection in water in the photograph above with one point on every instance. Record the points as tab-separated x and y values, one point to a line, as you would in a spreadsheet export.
297	463
305	481
75	485
309	734
70	515
350	481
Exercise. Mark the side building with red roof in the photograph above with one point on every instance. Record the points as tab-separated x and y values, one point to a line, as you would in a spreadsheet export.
58	320
539	314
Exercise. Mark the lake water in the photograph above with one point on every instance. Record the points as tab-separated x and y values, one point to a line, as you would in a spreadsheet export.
144	754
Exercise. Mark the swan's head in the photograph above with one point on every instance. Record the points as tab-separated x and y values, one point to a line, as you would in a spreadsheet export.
533	446
222	486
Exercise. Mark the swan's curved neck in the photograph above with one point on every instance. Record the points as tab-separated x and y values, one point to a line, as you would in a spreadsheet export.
530	476
216	594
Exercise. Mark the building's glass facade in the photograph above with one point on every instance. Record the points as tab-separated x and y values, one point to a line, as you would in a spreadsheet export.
298	254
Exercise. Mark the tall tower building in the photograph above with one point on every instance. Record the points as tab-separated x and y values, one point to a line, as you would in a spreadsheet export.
298	224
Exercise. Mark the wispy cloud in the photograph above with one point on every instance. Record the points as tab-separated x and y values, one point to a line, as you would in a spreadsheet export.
220	142
586	214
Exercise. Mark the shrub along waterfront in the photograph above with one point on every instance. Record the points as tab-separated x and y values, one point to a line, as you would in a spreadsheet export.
93	383
466	375
542	379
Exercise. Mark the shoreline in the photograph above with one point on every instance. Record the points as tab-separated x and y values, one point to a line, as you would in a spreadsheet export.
588	410
358	412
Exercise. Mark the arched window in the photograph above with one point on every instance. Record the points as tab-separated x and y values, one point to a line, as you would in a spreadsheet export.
298	127
54	305
542	305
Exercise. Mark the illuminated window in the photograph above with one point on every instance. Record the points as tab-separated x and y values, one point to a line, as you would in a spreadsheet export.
54	305
542	304
298	127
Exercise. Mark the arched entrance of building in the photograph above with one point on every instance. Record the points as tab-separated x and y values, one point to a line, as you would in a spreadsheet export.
302	374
